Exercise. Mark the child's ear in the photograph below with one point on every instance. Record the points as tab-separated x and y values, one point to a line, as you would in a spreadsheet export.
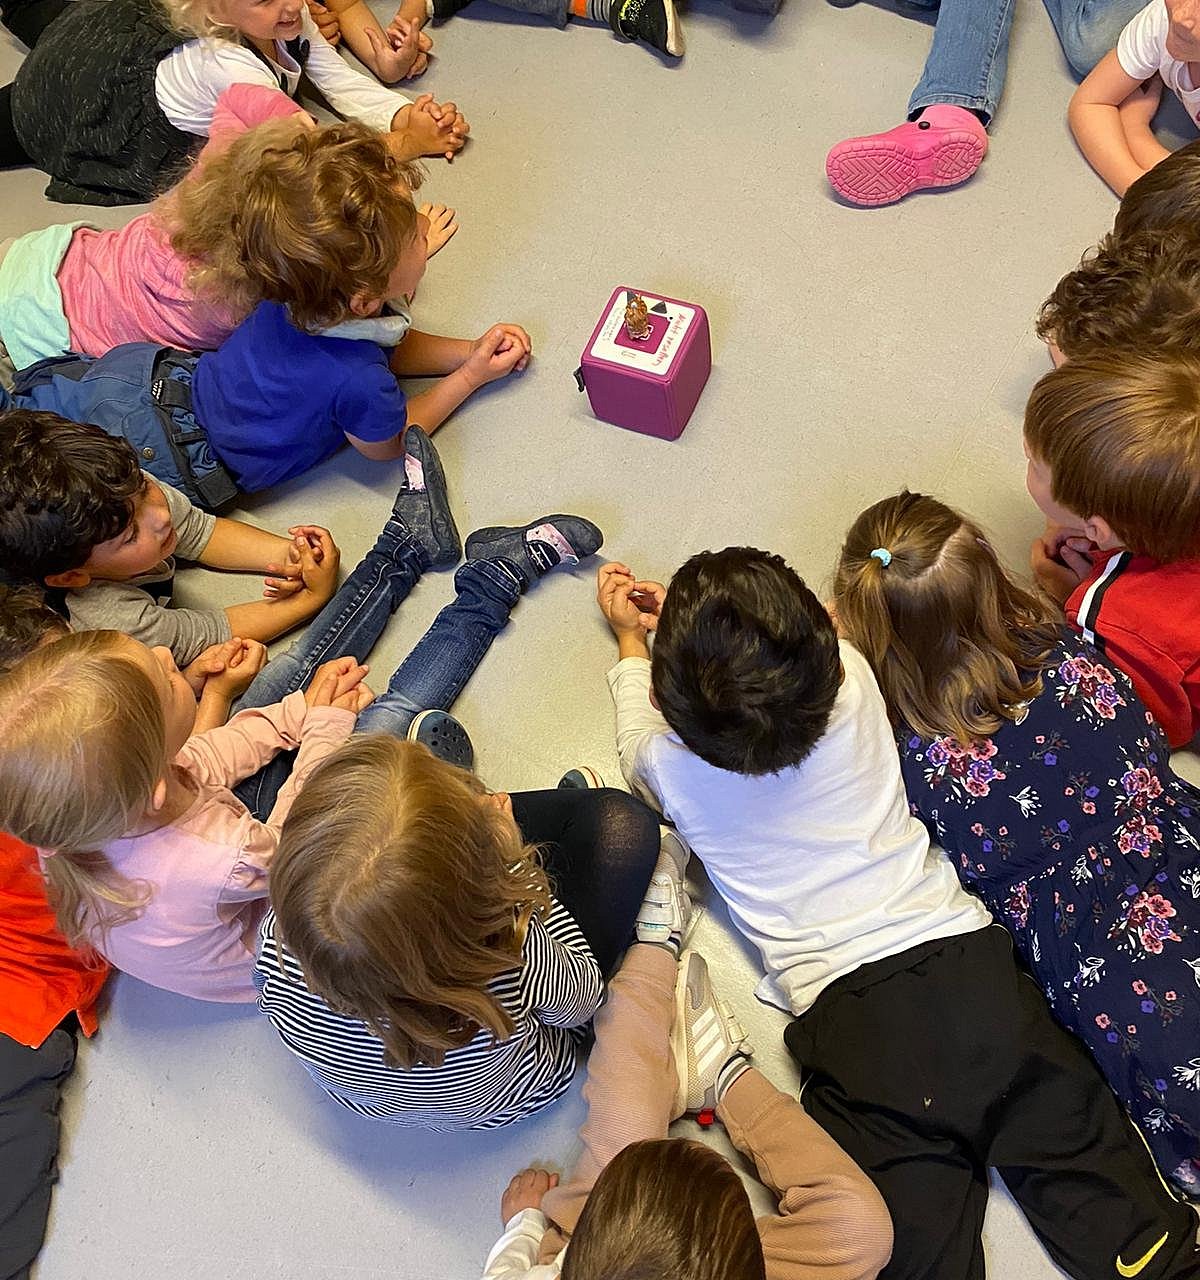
364	307
1101	533
71	580
159	796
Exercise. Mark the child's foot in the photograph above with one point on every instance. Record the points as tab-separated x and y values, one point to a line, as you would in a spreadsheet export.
444	736
442	225
942	147
422	504
582	779
666	910
653	22
537	548
708	1043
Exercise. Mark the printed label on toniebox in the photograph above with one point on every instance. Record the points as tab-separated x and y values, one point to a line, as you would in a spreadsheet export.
669	324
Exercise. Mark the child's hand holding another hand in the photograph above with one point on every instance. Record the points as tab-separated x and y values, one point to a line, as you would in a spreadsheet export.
340	684
631	607
311	564
246	659
1058	569
428	128
526	1191
503	349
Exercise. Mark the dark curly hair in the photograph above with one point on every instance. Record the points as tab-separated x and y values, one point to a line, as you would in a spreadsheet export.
746	665
25	621
64	489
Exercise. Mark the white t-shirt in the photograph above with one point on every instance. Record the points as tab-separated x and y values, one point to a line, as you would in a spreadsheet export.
823	867
1142	53
190	79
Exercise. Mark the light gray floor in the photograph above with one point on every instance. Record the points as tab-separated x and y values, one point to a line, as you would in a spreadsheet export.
855	351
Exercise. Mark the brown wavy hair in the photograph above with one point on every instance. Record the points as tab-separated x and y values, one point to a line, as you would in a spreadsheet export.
82	746
305	217
403	894
1165	198
1138	293
670	1209
955	644
1120	434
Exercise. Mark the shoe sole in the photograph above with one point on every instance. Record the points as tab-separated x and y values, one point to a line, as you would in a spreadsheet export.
679	1050
452	743
674	30
876	172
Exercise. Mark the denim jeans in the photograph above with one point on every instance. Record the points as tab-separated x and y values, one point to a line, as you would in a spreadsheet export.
1088	29
968	59
432	675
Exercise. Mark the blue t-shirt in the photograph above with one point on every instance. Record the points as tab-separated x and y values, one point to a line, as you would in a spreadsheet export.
275	400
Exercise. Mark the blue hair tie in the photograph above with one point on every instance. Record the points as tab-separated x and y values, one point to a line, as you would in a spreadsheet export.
883	555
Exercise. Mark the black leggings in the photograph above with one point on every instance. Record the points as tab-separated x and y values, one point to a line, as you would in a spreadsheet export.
599	850
26	19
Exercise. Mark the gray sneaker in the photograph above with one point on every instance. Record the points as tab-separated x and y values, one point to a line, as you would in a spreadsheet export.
538	547
423	505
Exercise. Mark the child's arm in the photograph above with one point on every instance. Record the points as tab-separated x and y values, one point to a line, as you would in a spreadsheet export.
1095	119
514	1256
219	676
570	982
467	366
302	582
832	1220
390	60
1137	111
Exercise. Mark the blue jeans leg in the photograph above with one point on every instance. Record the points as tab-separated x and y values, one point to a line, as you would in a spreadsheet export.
968	59
348	626
445	657
1088	29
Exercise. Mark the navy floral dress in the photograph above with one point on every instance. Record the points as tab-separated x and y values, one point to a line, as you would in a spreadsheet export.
1072	828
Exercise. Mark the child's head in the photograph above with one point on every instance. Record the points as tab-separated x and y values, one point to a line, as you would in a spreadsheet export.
88	727
1139	293
74	505
26	623
322	221
745	666
403	889
1167	198
953	642
671	1208
1114	451
254	19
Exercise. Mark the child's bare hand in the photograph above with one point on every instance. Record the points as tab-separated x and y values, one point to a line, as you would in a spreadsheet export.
335	680
526	1191
428	128
327	23
630	606
397	31
210	662
443	223
394	53
1056	579
503	349
356	699
245	662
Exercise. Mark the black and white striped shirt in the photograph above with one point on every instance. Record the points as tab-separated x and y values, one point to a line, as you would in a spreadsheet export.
481	1085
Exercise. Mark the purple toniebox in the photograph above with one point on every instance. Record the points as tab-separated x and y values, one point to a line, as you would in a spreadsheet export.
649	384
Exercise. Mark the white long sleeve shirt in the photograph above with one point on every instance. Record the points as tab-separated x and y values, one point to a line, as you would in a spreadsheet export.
190	79
823	867
514	1256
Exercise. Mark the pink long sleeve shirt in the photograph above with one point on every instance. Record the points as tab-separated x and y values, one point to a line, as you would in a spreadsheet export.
206	873
130	285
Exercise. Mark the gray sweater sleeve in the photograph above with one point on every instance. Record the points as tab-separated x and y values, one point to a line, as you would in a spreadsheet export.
120	606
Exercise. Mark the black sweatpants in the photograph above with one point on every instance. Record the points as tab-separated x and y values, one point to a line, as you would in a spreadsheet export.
31	1085
26	19
599	849
930	1066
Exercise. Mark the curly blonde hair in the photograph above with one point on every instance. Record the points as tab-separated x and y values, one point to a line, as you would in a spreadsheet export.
402	894
305	217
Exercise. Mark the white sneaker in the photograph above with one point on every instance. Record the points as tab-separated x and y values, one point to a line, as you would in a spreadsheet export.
704	1036
666	908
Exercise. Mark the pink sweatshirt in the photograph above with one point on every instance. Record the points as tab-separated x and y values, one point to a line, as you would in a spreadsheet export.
129	286
207	871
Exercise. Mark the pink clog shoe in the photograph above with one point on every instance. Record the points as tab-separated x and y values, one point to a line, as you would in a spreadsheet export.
943	147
